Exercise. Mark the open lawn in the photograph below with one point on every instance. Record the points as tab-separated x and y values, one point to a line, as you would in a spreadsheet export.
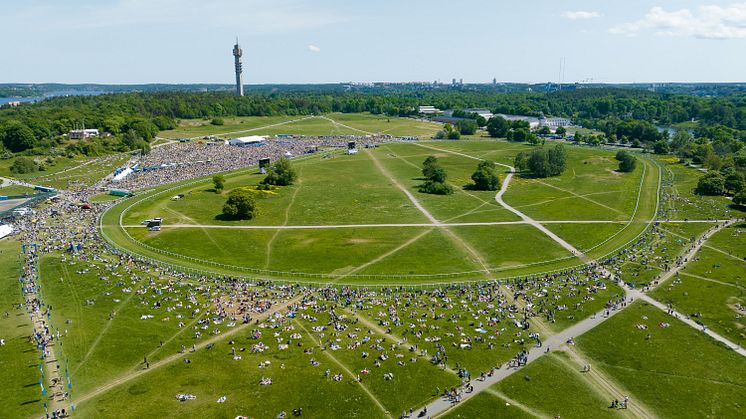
674	370
19	360
378	186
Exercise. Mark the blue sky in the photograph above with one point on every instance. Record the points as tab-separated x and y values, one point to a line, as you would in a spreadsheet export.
304	41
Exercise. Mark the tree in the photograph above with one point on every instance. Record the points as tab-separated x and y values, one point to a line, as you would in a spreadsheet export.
429	165
498	127
522	134
545	130
17	136
660	147
628	163
486	177
281	174
240	205
734	183
435	178
680	140
712	183
23	165
578	138
740	198
219	182
467	126
542	162
561	131
217	121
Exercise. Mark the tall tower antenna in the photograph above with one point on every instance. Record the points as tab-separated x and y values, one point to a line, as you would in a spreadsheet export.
237	53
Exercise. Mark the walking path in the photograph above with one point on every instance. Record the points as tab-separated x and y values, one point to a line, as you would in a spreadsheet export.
499	199
45	338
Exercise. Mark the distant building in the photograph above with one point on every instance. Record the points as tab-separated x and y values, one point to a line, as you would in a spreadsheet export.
554	122
13	104
428	110
251	141
83	133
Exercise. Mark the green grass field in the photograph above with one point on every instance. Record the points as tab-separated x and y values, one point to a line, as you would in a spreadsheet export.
366	189
331	124
674	370
19	360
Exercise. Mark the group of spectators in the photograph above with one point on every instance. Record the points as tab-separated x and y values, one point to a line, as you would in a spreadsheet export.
182	161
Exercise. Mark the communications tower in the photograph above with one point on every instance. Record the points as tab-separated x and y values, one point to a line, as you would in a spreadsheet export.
237	53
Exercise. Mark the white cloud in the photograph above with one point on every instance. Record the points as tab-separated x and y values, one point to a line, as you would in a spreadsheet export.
580	15
314	48
708	22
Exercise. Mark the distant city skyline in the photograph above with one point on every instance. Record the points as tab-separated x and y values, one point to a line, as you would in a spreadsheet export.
330	41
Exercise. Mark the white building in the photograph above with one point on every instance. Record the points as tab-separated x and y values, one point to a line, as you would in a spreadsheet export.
83	133
428	110
250	141
554	122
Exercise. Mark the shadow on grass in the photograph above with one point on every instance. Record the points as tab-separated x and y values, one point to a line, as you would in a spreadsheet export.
30	402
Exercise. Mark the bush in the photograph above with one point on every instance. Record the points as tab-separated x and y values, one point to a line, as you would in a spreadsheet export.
712	183
486	177
240	205
217	121
436	188
24	165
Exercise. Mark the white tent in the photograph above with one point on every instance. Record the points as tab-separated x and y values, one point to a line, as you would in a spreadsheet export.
5	230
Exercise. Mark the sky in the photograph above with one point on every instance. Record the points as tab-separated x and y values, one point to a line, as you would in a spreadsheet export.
328	41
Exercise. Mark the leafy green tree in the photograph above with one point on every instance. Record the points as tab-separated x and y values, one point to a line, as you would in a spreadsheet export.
740	198
467	126
542	162
498	127
217	121
660	147
429	165
628	163
17	136
712	183
561	131
435	176
545	130
219	182
680	140
578	137
281	174
454	135
240	205
486	177
23	165
734	183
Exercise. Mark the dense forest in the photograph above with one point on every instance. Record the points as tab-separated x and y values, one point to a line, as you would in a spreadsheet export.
715	126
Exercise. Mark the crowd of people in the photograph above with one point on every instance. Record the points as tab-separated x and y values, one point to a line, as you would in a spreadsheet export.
182	161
